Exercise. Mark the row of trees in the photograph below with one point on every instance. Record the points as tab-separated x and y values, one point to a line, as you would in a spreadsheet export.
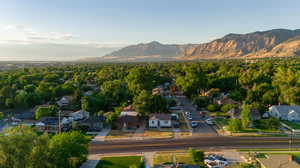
261	84
22	147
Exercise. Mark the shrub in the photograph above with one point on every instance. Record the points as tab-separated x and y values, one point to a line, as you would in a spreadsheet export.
212	107
235	125
197	155
201	101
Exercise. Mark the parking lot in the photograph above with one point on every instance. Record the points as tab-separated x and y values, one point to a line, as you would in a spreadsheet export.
203	128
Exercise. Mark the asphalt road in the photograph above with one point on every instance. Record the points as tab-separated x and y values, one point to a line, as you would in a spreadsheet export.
203	129
216	143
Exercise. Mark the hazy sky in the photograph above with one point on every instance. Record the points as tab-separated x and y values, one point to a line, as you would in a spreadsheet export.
110	24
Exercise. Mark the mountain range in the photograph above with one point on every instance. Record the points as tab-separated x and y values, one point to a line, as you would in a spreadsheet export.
260	44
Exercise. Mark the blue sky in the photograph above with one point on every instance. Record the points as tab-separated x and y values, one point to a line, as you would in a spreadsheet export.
113	23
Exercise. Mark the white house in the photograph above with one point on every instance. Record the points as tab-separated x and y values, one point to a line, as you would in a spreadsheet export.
160	121
79	115
285	112
64	101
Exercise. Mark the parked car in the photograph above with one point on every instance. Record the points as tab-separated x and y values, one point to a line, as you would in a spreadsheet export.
187	113
174	116
176	125
194	124
202	113
209	121
190	117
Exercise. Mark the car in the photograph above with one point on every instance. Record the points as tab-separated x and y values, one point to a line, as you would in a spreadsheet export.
187	113
194	124
190	117
202	113
209	121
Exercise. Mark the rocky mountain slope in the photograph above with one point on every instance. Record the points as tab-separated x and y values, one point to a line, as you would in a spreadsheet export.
252	45
271	43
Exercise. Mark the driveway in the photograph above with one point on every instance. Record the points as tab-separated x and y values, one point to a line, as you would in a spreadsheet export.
203	128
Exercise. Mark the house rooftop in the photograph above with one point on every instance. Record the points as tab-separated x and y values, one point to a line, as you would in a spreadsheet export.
129	113
160	117
285	109
278	161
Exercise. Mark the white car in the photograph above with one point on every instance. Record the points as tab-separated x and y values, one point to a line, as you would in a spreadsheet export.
190	117
209	121
194	124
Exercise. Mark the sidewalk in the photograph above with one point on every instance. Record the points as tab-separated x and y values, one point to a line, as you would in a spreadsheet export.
100	137
139	133
93	160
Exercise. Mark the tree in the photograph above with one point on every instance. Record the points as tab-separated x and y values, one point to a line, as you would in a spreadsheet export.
66	147
201	101
116	90
192	81
212	107
49	111
245	115
198	156
235	125
142	103
21	147
1	116
226	107
16	147
138	79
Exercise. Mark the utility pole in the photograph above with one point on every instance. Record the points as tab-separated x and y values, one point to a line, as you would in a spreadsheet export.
59	123
291	140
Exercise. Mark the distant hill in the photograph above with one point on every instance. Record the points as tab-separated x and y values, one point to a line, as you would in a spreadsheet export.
153	51
271	43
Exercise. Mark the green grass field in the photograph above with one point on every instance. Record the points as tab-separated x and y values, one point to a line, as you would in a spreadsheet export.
120	162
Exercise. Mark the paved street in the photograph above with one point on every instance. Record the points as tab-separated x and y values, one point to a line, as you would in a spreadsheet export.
203	129
213	142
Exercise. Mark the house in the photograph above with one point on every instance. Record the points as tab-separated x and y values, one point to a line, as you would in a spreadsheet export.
80	115
160	121
48	124
93	123
278	161
234	113
128	119
65	101
285	112
158	90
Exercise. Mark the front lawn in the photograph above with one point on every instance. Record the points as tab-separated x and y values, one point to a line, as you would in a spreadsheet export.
167	158
293	125
121	162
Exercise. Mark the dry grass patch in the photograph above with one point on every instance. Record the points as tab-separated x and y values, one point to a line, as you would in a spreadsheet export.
185	134
160	159
158	134
184	158
165	158
118	134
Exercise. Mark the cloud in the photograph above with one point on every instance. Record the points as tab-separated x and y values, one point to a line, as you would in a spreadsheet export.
28	34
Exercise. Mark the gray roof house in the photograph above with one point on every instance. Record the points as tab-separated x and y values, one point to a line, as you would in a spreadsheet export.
285	112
